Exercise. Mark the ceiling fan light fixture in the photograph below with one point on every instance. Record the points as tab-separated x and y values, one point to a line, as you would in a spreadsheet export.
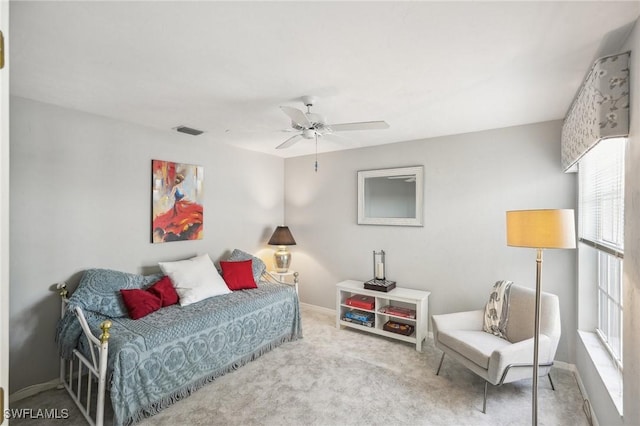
316	118
308	133
309	100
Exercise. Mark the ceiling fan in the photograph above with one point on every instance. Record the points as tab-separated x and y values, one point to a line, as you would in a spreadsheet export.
311	125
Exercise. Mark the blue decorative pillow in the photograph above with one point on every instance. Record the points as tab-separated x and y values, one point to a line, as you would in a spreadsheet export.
99	290
257	265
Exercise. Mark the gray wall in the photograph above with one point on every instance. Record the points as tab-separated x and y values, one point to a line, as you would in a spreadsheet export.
471	180
80	198
80	189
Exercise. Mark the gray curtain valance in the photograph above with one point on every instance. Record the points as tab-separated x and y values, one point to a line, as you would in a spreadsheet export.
600	110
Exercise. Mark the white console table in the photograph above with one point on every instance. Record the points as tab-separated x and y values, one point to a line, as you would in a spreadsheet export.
417	300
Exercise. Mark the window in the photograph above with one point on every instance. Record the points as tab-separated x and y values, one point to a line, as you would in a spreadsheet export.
601	210
610	302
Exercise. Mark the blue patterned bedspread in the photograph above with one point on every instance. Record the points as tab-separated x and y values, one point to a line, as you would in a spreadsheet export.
163	357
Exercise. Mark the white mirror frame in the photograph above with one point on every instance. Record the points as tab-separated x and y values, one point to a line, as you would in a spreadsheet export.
417	220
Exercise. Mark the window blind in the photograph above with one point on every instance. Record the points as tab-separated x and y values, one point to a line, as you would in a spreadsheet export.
601	196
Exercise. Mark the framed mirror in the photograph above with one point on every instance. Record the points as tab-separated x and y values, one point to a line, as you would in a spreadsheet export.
391	196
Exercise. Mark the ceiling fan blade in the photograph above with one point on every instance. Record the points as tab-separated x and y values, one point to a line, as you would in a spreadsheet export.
289	142
364	125
335	137
297	116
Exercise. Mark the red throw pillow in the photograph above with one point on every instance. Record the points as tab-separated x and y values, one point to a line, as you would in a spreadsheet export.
238	275
140	302
164	289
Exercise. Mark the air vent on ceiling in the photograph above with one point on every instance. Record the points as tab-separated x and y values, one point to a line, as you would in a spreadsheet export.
189	130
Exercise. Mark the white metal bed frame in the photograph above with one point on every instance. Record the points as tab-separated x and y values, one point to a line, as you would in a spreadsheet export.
95	369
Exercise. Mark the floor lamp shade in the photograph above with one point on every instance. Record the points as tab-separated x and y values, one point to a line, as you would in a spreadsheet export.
282	238
540	229
546	229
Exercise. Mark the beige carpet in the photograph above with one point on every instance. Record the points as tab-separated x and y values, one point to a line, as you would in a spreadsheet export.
346	377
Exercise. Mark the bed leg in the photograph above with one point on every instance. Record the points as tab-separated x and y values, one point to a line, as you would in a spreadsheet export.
61	384
64	293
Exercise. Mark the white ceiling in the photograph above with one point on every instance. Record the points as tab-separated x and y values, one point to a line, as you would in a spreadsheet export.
427	68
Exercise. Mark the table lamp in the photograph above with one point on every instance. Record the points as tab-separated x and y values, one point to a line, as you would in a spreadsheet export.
540	229
282	238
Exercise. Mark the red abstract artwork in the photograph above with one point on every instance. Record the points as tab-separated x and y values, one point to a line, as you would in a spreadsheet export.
177	191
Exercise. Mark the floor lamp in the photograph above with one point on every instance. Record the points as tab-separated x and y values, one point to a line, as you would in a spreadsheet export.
540	229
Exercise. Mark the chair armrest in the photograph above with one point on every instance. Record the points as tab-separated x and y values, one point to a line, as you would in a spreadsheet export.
518	353
469	320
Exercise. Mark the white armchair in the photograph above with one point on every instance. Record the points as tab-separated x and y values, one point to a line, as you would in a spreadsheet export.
497	360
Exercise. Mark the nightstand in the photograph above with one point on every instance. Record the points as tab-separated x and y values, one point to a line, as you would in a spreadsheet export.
284	278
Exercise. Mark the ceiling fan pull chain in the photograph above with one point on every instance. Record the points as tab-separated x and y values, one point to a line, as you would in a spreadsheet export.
316	153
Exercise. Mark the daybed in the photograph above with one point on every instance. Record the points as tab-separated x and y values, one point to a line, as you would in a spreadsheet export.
149	363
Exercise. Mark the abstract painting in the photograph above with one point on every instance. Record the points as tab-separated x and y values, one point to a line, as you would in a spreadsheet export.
177	195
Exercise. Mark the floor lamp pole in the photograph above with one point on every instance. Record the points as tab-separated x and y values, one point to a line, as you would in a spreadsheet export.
536	335
540	229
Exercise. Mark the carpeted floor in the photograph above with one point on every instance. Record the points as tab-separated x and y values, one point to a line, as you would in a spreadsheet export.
346	377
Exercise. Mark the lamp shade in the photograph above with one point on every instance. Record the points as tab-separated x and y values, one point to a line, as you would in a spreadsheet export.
547	229
282	237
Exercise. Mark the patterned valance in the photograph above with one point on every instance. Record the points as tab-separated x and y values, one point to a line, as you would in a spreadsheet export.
600	110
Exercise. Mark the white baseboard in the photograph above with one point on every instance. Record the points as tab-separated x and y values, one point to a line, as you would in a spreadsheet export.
565	366
33	390
318	308
585	395
583	391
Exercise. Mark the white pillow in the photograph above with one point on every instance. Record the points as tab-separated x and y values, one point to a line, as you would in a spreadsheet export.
195	279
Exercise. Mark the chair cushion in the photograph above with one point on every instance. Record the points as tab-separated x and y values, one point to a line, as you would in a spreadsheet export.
257	265
195	279
238	274
477	346
99	290
496	311
522	314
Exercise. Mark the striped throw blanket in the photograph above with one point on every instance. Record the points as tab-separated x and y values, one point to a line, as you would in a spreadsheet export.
496	312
